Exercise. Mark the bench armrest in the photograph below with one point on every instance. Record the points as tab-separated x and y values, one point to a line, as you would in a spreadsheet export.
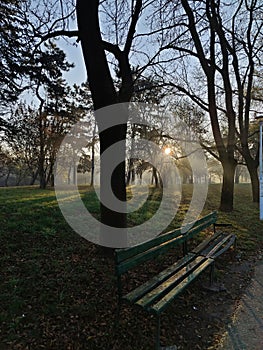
215	253
223	225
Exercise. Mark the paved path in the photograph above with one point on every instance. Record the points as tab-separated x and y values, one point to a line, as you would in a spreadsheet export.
246	330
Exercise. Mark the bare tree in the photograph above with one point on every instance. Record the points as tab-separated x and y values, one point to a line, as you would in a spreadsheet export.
106	31
221	41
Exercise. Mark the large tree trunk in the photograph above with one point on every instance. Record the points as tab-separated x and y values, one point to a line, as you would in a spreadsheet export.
131	172
155	177
252	166
7	178
227	193
237	175
118	184
92	157
253	172
103	94
34	177
42	173
42	156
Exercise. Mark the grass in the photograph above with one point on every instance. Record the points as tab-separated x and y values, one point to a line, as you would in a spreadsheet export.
244	218
56	290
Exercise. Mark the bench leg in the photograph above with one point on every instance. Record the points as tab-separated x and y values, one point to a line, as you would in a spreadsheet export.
212	274
119	292
118	311
158	333
235	245
119	305
185	248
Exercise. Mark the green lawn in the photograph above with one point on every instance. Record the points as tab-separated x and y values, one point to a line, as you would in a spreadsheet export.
56	290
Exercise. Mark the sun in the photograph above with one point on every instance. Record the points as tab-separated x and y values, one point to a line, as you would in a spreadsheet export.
167	150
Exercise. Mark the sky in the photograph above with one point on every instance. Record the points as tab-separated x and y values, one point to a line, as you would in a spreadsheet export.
77	74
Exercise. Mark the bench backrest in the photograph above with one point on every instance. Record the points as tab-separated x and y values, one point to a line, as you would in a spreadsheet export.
201	224
130	257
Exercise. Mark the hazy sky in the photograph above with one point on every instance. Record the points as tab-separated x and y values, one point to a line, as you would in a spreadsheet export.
78	73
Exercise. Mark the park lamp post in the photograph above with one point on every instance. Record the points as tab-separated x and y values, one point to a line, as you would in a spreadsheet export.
260	118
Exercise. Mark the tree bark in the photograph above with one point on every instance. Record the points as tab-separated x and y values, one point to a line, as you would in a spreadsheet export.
93	158
155	177
42	174
103	94
227	193
7	178
131	172
237	175
252	167
34	177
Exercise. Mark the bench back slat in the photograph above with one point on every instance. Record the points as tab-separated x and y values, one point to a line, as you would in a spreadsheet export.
138	259
130	257
123	254
210	219
196	229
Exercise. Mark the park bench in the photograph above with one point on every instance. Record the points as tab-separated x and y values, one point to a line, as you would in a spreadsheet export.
157	293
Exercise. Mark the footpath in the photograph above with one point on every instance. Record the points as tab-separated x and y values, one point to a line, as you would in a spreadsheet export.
246	330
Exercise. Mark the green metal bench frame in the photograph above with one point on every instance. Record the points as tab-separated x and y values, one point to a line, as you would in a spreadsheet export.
156	294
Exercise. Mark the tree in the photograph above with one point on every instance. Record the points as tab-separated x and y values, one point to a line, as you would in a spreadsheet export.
103	93
107	32
37	134
22	139
245	48
5	165
222	42
13	50
101	83
83	108
53	112
18	43
147	91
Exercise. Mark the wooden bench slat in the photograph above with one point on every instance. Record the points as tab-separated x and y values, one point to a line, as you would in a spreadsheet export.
166	300
201	247
215	244
168	284
212	217
149	254
124	254
140	291
226	243
197	229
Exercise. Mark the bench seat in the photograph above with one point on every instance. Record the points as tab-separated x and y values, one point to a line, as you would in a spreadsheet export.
215	245
157	293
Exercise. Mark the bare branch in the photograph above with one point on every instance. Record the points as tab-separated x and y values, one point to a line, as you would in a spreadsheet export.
112	48
210	151
131	32
67	33
193	97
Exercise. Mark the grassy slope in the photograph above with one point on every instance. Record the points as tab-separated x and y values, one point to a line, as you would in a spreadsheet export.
48	273
30	211
244	218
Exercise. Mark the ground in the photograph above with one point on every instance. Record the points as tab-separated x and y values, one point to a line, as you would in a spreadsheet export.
76	308
246	329
57	291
